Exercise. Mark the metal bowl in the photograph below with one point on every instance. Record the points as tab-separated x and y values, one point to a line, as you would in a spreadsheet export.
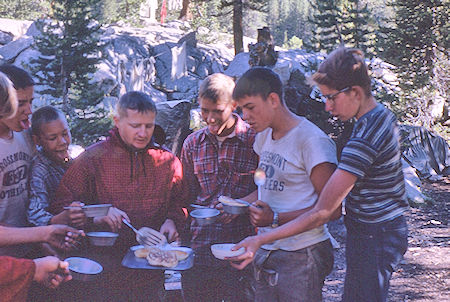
83	269
96	210
233	206
235	209
102	238
205	216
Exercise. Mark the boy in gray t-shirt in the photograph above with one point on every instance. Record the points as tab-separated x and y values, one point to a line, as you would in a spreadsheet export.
298	158
369	174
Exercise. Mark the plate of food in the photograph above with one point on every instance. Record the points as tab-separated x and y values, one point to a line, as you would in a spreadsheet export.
177	258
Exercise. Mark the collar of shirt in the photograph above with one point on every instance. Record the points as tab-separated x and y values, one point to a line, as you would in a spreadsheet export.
240	131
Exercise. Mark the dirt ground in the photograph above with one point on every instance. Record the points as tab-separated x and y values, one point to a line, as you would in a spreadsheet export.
424	274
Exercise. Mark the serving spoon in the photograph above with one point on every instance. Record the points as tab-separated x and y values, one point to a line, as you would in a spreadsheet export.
260	179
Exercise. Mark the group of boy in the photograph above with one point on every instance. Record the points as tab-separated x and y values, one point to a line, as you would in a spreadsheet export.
148	185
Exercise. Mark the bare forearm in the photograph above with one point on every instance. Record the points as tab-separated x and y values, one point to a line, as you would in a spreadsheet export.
324	210
60	218
13	236
289	216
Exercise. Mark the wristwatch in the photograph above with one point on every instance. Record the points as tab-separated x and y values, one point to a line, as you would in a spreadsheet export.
275	220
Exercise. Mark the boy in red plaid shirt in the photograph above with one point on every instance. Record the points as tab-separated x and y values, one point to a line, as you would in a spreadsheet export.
218	160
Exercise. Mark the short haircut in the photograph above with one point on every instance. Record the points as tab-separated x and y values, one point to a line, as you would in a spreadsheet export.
135	100
8	98
343	67
19	77
259	81
217	88
43	116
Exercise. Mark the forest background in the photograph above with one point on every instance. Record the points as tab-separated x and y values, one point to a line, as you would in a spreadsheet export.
412	35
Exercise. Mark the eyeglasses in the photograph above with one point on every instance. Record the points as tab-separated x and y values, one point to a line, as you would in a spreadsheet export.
331	97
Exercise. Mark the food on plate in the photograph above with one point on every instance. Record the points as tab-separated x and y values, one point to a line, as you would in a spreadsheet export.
181	255
230	201
160	257
141	253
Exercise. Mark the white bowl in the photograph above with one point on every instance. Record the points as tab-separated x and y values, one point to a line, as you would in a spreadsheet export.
96	210
83	269
102	238
222	250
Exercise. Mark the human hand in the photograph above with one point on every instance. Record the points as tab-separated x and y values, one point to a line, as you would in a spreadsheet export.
113	219
251	245
76	215
261	214
62	236
224	218
169	229
51	272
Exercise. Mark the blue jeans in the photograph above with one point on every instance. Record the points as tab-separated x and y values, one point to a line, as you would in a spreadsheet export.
292	276
372	253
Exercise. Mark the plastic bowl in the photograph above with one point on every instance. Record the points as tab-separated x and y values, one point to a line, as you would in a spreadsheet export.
102	238
96	210
205	216
83	269
222	250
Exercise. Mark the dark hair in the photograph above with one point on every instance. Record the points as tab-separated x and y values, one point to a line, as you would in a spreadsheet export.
217	88
135	100
343	67
258	81
19	77
43	116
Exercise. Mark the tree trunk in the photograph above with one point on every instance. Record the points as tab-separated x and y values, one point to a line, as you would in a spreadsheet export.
238	33
185	14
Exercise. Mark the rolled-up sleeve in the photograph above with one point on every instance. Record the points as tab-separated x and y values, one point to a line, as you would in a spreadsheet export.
39	197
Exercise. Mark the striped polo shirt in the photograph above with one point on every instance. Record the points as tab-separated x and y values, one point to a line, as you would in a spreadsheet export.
373	155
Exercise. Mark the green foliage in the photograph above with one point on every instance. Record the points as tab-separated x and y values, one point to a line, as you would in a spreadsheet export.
70	49
205	15
120	10
326	19
289	18
416	41
356	29
293	43
23	9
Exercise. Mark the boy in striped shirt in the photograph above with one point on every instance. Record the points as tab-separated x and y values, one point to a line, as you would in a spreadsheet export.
369	176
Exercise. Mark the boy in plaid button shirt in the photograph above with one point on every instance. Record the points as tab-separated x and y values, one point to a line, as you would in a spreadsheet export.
218	160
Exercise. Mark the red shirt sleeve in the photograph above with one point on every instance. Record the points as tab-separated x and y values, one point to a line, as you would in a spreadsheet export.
178	195
16	276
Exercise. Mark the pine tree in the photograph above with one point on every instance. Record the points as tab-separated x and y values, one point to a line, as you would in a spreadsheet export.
416	41
70	48
288	21
356	29
326	20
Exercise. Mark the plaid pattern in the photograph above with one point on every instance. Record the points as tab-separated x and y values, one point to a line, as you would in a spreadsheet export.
146	184
45	177
211	171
